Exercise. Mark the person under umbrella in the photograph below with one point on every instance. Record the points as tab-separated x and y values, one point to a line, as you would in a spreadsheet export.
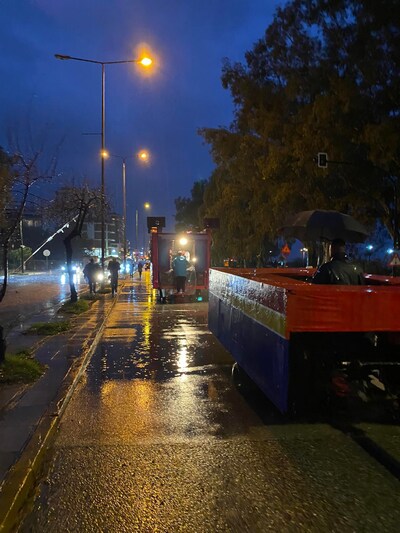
339	270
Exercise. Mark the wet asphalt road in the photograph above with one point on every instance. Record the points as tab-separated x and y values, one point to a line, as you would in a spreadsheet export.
158	438
32	294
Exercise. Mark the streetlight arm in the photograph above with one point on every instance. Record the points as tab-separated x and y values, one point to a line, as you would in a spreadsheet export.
65	58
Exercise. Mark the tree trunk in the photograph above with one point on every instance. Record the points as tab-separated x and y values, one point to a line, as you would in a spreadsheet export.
5	271
68	252
2	294
2	346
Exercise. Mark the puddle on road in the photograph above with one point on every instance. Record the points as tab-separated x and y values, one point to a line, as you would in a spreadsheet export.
146	340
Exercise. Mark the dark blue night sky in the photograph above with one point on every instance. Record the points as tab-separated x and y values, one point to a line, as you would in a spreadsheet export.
161	112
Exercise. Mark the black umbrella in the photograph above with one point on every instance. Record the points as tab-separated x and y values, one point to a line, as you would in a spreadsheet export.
321	225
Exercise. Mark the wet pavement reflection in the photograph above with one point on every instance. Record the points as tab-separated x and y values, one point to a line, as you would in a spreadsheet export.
158	438
160	364
34	296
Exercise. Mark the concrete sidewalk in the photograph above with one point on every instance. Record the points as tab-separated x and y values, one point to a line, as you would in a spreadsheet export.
29	414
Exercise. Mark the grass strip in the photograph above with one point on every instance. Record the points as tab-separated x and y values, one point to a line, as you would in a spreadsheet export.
75	308
49	328
20	368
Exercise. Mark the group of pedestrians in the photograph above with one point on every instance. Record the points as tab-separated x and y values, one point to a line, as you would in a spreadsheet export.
93	271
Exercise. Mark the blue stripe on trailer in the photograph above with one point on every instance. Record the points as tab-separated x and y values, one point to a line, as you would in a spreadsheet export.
261	352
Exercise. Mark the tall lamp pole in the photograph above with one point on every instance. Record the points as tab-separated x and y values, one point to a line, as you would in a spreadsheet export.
137	228
143	156
124	207
146	62
146	205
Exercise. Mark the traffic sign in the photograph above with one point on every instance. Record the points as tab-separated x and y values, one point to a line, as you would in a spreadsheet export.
285	250
395	261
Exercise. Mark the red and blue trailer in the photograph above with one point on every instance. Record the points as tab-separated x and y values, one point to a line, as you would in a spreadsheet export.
297	340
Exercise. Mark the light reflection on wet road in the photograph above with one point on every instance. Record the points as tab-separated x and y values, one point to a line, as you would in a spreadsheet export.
31	294
157	438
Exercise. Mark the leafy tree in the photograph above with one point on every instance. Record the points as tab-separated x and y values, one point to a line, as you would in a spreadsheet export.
187	209
325	77
14	256
72	204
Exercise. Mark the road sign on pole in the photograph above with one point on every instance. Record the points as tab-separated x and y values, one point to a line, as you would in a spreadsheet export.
46	253
395	261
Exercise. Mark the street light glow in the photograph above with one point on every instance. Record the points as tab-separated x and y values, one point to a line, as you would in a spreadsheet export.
147	205
144	156
146	61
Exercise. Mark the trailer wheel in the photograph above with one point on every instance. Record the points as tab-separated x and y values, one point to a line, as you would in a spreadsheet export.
239	376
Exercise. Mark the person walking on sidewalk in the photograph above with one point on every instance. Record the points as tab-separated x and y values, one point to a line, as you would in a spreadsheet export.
140	266
114	268
90	272
179	266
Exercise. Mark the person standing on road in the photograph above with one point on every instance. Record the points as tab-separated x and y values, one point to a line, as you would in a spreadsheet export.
114	268
179	266
339	270
90	272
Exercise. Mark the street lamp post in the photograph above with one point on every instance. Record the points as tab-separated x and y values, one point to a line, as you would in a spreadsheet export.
124	207
146	205
146	62
144	159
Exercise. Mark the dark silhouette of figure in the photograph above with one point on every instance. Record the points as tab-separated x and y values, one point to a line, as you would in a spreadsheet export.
114	267
140	266
90	272
179	266
339	270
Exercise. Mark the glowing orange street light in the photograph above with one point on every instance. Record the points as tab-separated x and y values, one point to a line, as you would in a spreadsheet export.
144	156
146	61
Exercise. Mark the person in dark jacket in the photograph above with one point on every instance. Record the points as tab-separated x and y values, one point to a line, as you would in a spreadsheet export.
90	272
114	267
179	266
140	266
339	270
